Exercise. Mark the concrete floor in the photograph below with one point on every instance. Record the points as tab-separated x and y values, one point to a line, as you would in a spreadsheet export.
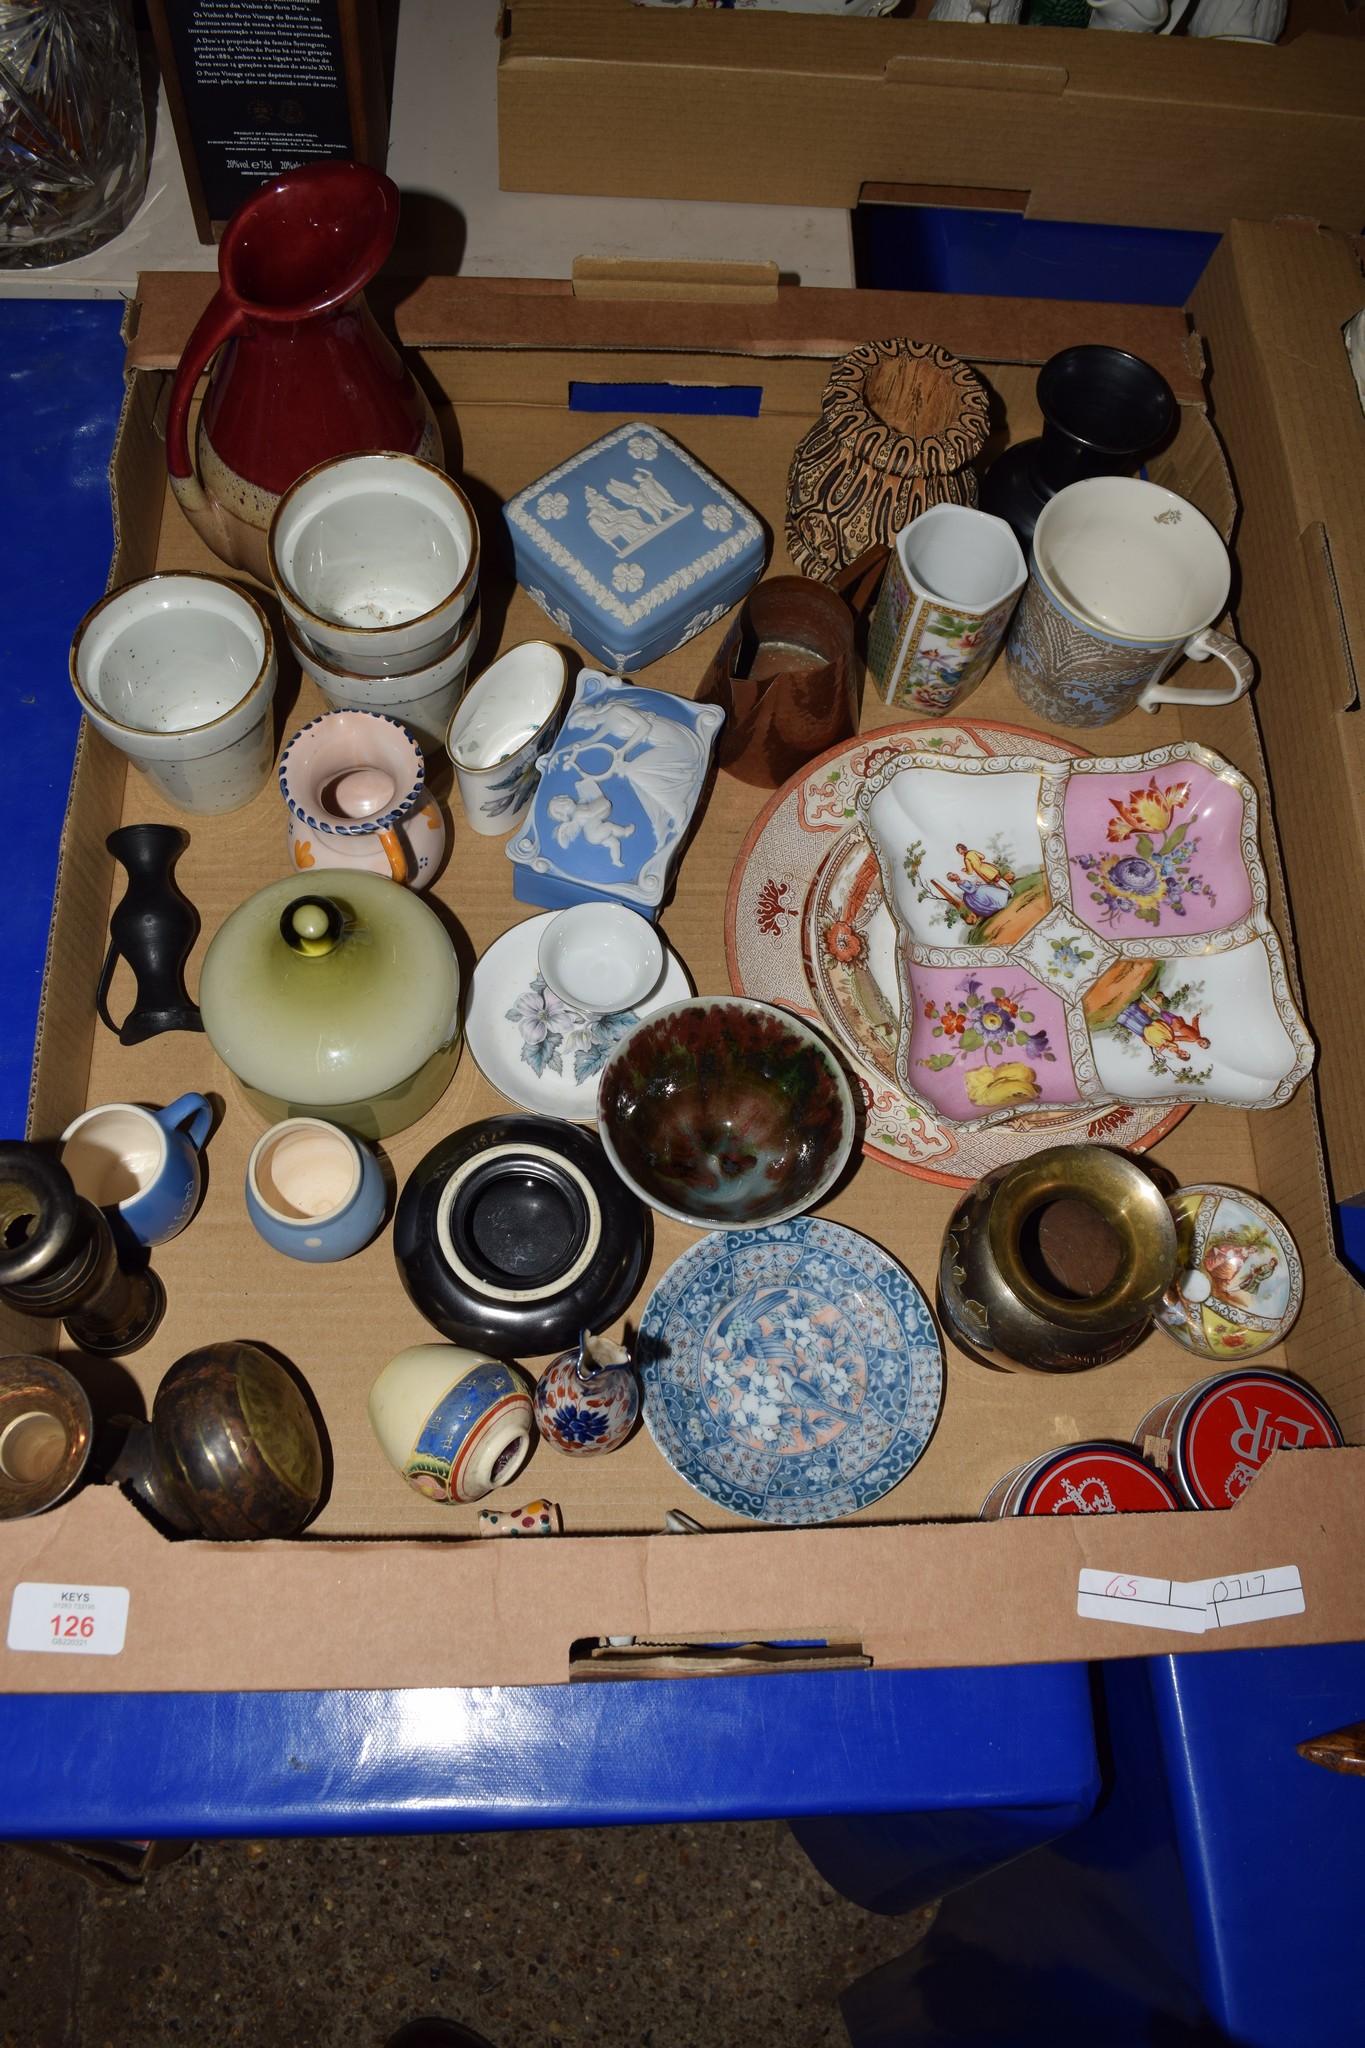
668	1937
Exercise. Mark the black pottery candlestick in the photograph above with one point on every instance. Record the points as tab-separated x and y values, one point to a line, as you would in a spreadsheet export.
153	928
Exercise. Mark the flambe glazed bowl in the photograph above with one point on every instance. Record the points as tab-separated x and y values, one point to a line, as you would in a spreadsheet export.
1081	932
726	1113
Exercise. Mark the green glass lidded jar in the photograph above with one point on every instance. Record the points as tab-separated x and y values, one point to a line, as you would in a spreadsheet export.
343	1005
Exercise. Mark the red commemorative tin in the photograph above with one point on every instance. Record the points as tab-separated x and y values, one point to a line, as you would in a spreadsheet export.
1081	1479
1222	1430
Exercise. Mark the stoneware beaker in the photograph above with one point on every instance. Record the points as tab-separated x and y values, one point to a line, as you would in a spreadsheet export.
787	679
178	672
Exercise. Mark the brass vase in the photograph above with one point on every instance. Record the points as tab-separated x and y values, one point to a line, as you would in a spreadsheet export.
1056	1264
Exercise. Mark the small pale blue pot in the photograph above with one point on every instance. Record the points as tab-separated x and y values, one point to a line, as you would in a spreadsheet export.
144	1163
313	1191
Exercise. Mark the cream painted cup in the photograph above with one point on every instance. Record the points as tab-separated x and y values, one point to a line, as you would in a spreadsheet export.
945	601
506	721
422	700
178	672
1126	578
376	561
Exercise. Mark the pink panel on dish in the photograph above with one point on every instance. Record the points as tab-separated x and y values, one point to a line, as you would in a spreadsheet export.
997	1041
1157	852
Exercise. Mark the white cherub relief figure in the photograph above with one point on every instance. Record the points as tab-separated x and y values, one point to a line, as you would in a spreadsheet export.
588	812
661	758
653	498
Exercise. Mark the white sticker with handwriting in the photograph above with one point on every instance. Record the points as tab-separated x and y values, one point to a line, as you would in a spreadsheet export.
1191	1606
80	1621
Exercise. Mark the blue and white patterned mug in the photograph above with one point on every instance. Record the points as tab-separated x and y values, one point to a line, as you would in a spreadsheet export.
142	1162
1126	578
313	1191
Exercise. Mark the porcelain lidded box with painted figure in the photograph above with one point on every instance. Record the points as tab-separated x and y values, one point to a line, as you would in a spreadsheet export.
616	797
1087	931
632	547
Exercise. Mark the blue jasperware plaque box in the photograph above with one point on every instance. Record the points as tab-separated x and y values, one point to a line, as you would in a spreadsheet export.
616	797
633	547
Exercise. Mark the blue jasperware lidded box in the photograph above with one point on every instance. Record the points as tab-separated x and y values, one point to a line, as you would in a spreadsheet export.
616	797
632	547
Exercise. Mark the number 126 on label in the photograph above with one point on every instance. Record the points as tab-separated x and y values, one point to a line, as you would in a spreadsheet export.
81	1621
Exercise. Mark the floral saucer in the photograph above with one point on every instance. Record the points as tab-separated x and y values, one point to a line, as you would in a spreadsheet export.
1090	932
791	1374
797	890
536	1049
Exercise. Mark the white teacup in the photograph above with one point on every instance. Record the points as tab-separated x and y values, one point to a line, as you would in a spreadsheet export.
600	958
499	731
376	561
422	700
178	672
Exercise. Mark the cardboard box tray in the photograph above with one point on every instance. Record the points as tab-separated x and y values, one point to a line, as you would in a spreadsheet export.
1152	131
379	1594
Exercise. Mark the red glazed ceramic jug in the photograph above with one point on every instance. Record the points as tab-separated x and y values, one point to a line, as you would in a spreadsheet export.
303	372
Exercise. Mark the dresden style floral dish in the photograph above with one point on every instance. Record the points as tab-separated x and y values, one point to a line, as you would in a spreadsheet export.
1088	932
791	1374
539	1051
723	1113
806	926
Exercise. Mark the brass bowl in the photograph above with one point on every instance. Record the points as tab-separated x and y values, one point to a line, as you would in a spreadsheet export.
1056	1264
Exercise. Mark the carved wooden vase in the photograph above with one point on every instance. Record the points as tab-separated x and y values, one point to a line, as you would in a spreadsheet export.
900	424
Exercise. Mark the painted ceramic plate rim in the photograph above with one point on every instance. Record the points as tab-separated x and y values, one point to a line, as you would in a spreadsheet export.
577	1102
727	1243
903	736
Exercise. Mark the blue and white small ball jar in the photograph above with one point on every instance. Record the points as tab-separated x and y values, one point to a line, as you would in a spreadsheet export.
142	1163
313	1191
587	1399
454	1423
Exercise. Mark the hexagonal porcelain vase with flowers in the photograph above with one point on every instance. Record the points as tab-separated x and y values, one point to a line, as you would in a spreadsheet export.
1088	931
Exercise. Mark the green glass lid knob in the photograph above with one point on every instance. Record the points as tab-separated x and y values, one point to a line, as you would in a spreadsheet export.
311	925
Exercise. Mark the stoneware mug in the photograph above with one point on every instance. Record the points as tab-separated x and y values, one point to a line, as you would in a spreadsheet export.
506	720
313	1191
454	1423
945	601
142	1162
178	672
1126	578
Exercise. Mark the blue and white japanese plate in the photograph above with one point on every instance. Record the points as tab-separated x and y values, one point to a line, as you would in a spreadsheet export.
633	547
791	1374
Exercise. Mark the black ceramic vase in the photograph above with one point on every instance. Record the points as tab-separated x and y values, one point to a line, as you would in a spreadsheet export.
515	1234
1103	411
58	1258
232	1450
153	928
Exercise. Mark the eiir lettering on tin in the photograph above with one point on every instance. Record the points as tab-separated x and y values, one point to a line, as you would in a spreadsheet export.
1255	1443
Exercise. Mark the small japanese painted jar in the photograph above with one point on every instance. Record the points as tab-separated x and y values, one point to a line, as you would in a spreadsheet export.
313	1191
588	1399
1221	1431
454	1423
